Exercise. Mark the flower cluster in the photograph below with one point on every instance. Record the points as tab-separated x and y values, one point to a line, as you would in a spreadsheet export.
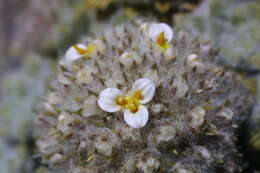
111	99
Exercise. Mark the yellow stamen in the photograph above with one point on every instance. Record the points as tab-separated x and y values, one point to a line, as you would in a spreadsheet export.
87	50
81	51
162	42
138	94
130	102
121	100
133	107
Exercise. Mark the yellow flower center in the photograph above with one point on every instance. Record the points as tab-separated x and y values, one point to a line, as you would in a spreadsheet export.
130	102
162	42
83	51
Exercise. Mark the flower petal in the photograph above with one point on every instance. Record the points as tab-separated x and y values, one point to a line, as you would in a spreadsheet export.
138	119
156	28
107	98
147	88
72	54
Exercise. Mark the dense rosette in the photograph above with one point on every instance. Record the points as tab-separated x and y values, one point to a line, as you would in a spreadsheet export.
142	98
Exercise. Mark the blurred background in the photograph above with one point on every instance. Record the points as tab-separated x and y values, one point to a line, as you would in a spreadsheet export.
34	34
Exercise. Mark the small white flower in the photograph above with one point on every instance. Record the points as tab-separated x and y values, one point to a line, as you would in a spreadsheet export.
135	114
162	34
78	51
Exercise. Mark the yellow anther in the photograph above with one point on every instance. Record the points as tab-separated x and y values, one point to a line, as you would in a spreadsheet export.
133	107
130	102
121	100
161	39
138	95
87	50
80	50
162	42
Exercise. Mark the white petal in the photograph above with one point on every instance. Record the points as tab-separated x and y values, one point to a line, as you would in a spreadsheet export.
153	31
156	28
107	98
147	88
72	54
138	119
167	31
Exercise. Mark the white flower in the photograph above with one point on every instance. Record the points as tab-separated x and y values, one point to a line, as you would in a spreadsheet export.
135	114
162	34
78	51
